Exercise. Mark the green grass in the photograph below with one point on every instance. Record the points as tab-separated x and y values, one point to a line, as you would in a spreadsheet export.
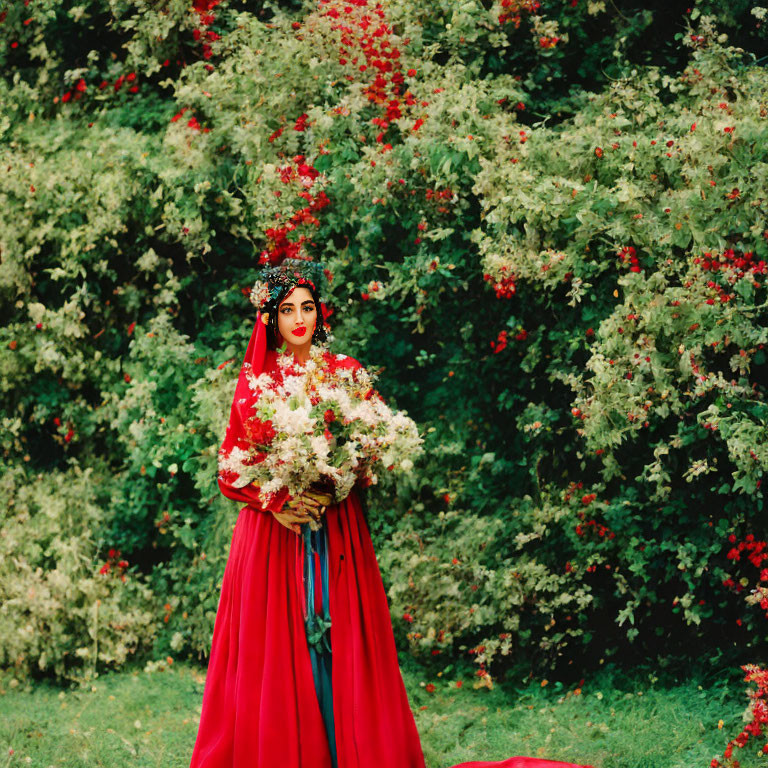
145	719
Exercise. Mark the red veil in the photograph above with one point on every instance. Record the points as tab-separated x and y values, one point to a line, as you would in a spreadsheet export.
260	708
257	360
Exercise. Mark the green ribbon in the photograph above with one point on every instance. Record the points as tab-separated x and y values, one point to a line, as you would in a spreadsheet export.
318	629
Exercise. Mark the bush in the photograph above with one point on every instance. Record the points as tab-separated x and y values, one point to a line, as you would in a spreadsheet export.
564	285
64	610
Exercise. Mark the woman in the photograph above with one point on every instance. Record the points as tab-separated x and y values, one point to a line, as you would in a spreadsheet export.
276	695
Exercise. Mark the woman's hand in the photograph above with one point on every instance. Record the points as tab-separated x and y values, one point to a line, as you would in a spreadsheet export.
309	505
318	497
292	516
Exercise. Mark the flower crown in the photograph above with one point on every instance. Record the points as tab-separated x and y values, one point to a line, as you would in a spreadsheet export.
291	273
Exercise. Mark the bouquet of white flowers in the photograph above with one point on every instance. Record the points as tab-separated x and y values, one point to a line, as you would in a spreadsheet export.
319	424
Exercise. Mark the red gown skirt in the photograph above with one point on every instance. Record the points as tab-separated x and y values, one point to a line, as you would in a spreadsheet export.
260	708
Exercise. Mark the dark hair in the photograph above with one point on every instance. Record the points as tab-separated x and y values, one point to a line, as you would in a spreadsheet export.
318	337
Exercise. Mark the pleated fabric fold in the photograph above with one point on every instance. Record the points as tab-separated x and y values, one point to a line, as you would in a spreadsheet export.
260	709
374	723
260	706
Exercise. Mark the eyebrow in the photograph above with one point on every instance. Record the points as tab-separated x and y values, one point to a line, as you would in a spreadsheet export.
289	303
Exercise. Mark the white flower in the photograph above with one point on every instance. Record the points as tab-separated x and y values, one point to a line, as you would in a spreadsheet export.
259	294
295	401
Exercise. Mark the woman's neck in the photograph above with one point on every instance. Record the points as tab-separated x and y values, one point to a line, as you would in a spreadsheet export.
300	351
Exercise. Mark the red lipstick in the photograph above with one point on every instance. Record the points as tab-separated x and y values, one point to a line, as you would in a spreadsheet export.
299	331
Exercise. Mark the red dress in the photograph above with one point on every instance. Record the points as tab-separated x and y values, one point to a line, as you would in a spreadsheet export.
260	708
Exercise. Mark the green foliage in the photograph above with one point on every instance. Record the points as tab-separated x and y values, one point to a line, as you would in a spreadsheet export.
669	399
151	716
595	427
60	614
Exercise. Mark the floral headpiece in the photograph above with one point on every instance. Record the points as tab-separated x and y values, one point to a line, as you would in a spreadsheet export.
291	273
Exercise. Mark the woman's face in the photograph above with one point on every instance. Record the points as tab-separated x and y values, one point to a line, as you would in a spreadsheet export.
297	317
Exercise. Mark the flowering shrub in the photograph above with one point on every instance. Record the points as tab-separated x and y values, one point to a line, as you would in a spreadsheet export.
656	240
63	611
572	308
756	717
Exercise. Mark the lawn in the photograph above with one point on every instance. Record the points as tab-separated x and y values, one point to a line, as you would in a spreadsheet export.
148	718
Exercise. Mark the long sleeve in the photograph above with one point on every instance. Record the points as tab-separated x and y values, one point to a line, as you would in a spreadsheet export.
249	494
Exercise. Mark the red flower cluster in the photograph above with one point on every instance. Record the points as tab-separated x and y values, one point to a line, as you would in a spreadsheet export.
756	553
720	292
303	175
737	264
602	530
440	196
504	286
366	43
70	430
194	125
179	115
500	343
757	550
259	432
114	565
758	709
76	92
549	42
572	489
513	10
628	254
204	8
129	78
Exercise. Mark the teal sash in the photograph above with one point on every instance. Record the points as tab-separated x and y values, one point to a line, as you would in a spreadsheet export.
318	628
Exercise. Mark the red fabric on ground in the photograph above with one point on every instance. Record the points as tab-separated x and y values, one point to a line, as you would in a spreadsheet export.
521	762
